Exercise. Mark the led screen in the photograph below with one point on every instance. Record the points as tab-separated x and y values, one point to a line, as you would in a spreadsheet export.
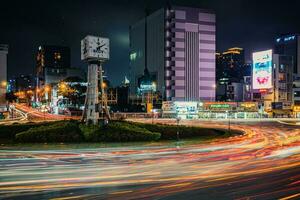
262	70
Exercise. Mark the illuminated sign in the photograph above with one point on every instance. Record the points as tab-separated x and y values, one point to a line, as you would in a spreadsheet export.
168	106
186	107
248	106
296	108
262	70
289	38
286	39
220	106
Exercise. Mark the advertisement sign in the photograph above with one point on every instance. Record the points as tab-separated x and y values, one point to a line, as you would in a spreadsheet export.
296	108
186	107
248	106
168	107
262	70
277	105
220	106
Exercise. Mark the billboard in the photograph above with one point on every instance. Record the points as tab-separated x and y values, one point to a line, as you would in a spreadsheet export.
262	70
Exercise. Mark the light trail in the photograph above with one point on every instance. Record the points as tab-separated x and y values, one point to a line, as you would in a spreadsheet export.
264	163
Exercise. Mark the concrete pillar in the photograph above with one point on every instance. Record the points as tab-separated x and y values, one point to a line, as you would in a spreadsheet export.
92	103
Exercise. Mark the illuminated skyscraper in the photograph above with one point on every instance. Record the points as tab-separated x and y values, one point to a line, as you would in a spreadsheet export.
53	65
289	45
231	65
177	46
231	69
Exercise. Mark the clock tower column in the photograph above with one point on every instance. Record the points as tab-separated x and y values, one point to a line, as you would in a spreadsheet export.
95	50
92	93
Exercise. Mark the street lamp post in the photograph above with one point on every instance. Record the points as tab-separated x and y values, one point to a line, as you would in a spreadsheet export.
213	90
177	121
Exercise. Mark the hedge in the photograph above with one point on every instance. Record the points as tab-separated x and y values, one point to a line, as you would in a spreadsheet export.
10	131
169	132
115	131
57	132
118	132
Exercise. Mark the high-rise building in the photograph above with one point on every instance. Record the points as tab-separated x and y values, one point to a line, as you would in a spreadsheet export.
21	83
272	81
177	47
283	78
53	57
231	65
230	70
3	74
52	61
53	65
247	89
289	45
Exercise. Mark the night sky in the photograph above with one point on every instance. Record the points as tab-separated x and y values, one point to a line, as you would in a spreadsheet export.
27	24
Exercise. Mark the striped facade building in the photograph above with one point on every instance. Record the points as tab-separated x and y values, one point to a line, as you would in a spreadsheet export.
3	74
185	64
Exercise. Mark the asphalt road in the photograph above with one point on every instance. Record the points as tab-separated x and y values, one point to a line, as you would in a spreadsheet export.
262	164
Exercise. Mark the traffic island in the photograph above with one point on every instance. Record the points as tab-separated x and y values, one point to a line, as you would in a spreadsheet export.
116	131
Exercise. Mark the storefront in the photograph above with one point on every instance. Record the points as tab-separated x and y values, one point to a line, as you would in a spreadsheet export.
218	110
181	109
247	110
210	110
168	109
186	110
282	109
296	111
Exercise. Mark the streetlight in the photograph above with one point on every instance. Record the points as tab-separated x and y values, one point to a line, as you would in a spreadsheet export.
4	84
213	90
152	101
177	121
104	85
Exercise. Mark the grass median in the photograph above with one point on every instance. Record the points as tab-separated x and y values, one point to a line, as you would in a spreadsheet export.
116	131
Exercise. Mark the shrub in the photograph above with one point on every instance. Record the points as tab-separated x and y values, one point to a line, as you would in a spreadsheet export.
57	132
118	132
169	132
90	132
10	131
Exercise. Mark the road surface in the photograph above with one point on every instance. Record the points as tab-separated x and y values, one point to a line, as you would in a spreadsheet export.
264	163
36	115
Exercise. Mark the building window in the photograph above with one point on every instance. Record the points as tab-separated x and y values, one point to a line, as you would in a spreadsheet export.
57	56
296	93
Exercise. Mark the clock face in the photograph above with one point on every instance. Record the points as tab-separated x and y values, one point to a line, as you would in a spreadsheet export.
96	48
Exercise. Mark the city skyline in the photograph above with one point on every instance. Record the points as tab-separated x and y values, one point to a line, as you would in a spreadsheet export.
131	99
33	23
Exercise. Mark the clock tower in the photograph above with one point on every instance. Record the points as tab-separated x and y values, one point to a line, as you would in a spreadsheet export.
95	50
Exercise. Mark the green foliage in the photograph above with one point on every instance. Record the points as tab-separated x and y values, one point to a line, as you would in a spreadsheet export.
57	132
9	131
115	131
90	132
118	132
169	132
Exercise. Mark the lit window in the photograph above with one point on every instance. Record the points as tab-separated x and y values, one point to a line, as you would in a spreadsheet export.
57	56
133	56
